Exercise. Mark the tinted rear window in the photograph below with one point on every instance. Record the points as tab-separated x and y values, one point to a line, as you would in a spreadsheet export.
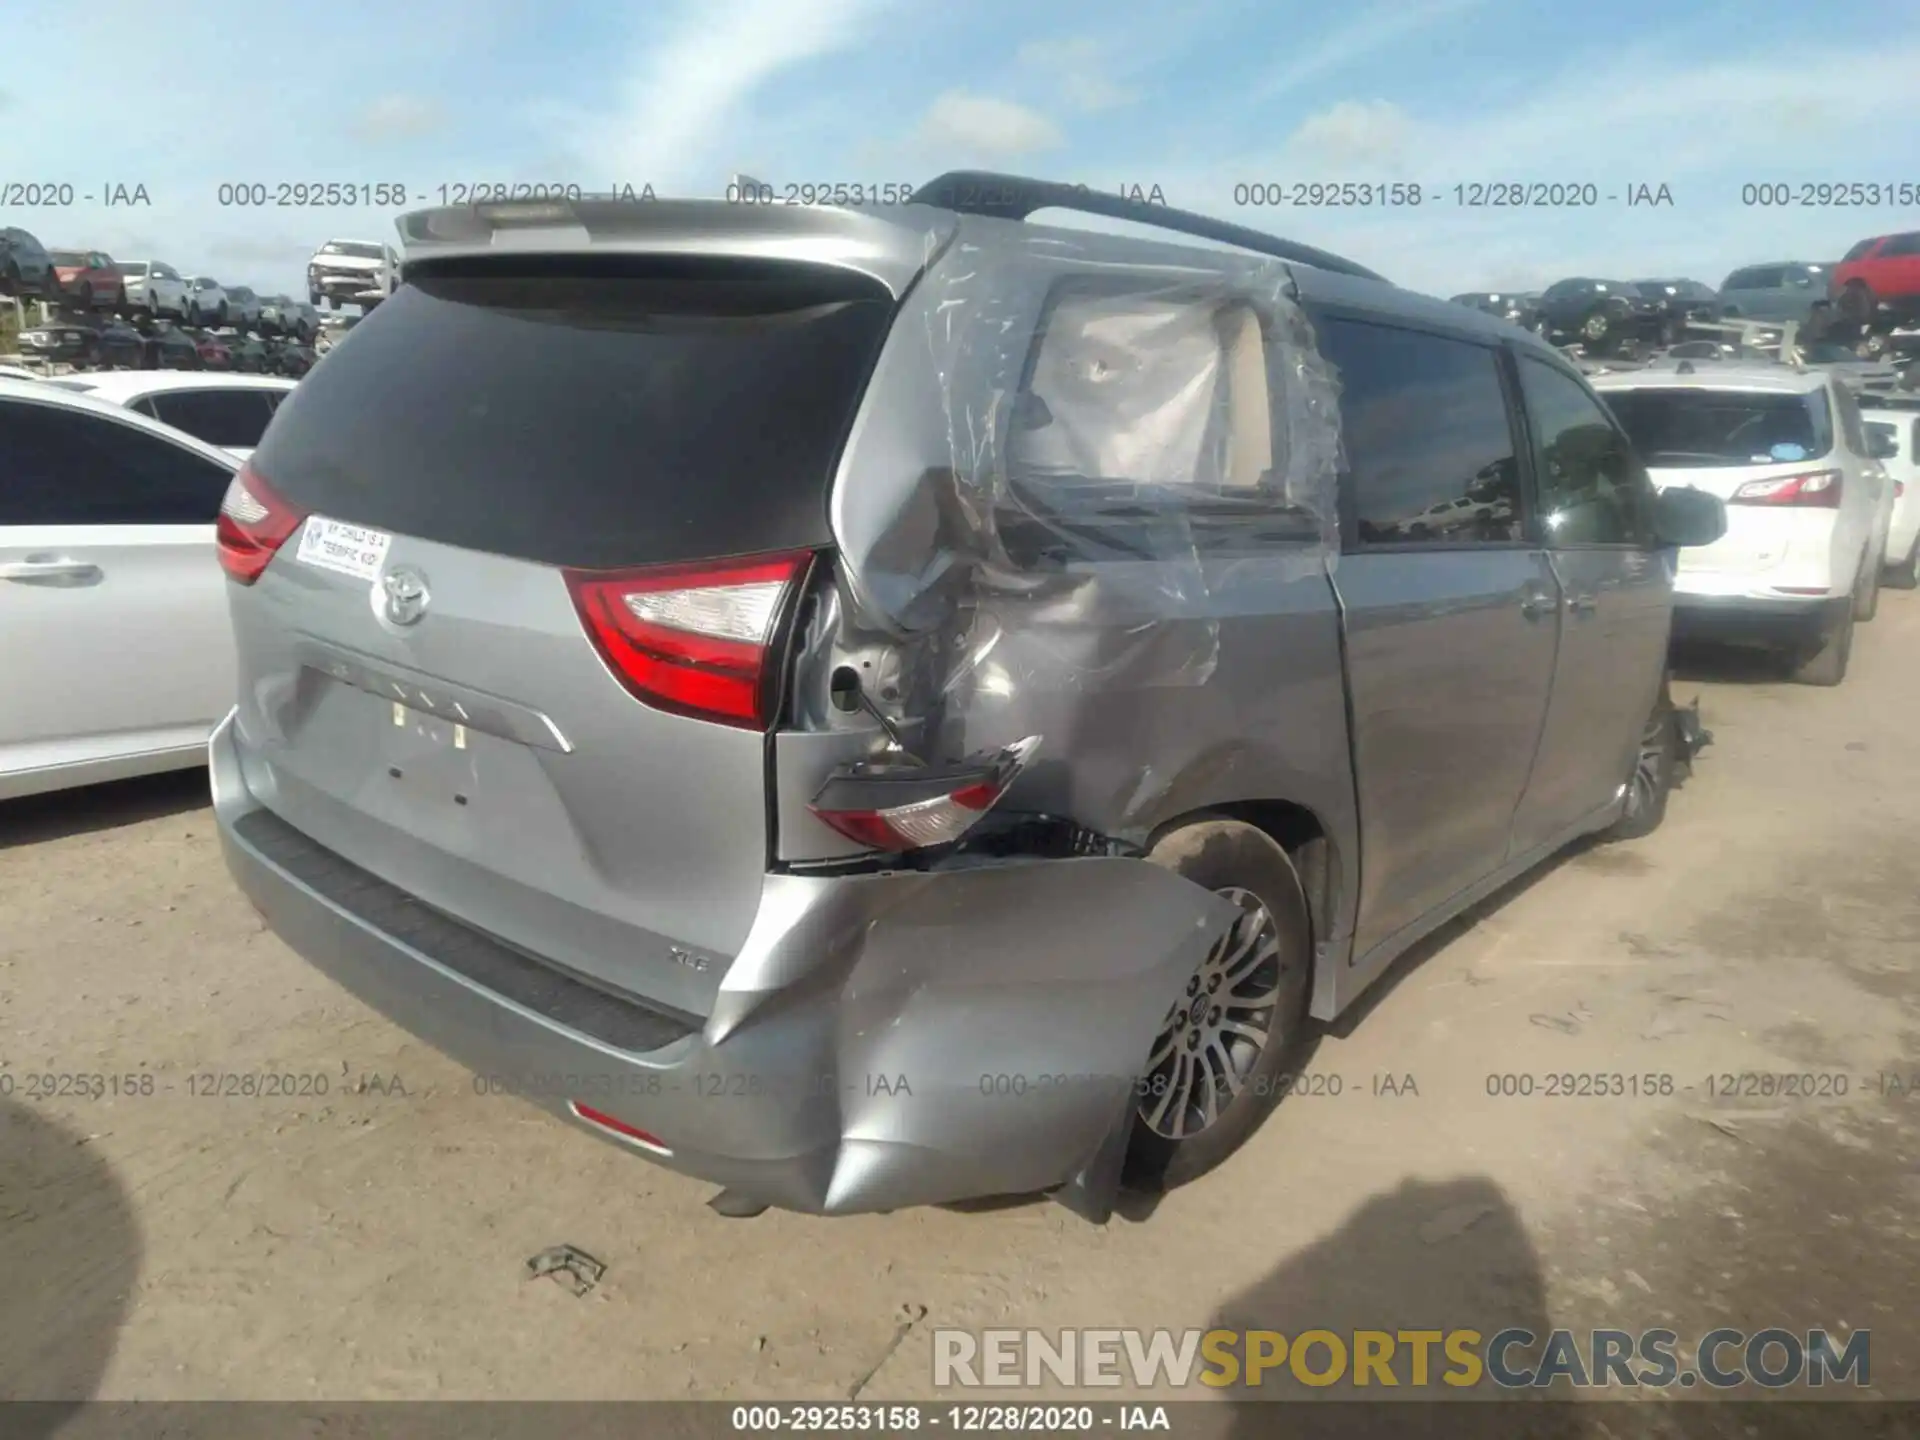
1678	428
598	413
1428	443
228	416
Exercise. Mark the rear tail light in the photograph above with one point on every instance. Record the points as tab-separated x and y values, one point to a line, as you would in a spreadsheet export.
693	639
1817	488
1899	489
899	807
254	523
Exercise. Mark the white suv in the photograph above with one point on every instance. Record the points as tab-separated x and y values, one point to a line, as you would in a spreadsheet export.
1808	507
345	270
155	287
1896	424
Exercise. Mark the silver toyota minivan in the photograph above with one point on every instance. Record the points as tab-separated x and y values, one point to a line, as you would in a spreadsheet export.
881	707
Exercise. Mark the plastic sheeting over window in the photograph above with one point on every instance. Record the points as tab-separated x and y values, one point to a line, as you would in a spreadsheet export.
1081	455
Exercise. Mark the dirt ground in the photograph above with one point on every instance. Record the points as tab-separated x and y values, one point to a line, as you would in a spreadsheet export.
371	1243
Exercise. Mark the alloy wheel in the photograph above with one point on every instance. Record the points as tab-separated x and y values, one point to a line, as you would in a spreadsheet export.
1215	1033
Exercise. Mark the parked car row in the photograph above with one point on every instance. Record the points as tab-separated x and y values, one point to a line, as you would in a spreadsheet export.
86	281
113	343
1872	292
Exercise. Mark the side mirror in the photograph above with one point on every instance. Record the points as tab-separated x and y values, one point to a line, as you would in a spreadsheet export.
1883	447
1683	515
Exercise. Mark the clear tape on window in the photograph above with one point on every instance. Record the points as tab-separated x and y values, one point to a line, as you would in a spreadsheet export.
1098	465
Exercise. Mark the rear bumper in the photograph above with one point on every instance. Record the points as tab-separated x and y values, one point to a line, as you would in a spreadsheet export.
1788	620
344	282
881	1040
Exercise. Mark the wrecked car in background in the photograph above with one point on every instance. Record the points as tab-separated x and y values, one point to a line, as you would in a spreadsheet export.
854	705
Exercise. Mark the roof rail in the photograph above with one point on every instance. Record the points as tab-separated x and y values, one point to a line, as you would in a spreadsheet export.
1015	197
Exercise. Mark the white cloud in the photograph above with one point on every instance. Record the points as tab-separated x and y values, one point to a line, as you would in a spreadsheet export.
1379	28
1704	128
1088	72
981	124
691	87
1363	133
279	251
1751	118
397	117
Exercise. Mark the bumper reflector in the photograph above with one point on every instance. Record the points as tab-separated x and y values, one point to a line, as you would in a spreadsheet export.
601	1120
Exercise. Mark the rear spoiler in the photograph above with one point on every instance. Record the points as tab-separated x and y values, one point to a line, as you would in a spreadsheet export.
892	245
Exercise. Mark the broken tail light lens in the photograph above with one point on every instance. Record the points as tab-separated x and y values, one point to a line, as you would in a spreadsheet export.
1817	488
253	524
692	639
897	807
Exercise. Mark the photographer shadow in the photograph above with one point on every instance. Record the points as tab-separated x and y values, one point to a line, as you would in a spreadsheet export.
69	1260
1436	1256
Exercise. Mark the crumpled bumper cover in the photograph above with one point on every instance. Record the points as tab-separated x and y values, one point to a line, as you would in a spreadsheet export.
880	1041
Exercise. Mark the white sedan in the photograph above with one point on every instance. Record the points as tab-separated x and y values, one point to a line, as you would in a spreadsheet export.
230	411
120	655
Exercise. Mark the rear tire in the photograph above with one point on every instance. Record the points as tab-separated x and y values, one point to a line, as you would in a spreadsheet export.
1201	1100
1826	665
1866	600
1655	766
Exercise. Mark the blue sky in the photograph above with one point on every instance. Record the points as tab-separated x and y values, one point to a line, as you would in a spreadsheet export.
1195	98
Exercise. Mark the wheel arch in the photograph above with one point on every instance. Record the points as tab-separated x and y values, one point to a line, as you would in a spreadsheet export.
1317	856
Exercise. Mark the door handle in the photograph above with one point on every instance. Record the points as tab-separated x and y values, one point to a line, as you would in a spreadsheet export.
56	568
1583	604
1536	604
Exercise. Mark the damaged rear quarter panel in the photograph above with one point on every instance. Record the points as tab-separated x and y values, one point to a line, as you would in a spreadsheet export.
981	1028
1189	658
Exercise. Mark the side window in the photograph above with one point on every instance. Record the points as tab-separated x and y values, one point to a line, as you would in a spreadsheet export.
68	467
1592	490
1908	244
219	417
1430	455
